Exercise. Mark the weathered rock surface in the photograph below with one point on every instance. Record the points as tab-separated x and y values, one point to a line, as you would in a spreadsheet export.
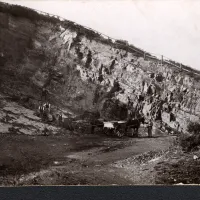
15	119
82	70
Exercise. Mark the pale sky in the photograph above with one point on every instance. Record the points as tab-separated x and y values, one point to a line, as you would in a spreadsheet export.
168	27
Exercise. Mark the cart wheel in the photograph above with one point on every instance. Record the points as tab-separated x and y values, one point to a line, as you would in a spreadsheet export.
119	133
106	131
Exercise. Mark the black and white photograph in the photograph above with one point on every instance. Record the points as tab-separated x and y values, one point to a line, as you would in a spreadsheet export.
99	93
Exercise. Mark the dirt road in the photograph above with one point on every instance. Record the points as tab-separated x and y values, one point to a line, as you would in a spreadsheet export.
82	159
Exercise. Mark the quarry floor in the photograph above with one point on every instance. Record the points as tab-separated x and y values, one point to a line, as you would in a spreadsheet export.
76	158
84	160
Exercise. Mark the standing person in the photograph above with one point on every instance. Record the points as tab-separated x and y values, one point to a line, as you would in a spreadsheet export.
48	111
60	119
57	119
41	110
47	107
150	127
45	112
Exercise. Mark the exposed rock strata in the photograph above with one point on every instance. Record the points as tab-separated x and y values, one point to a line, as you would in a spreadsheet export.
81	71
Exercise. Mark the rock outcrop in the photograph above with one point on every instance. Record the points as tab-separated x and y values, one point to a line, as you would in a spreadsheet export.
82	69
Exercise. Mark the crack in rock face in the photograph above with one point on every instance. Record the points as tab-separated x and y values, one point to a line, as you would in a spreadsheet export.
87	72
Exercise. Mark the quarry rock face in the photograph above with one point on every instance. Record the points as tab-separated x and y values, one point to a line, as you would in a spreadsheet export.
84	71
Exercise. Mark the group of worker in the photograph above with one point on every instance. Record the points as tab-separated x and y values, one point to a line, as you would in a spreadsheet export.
45	111
46	114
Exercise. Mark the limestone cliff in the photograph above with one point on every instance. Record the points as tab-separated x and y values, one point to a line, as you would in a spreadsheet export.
82	69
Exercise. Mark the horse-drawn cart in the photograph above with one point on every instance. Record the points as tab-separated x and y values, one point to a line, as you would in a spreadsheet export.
118	128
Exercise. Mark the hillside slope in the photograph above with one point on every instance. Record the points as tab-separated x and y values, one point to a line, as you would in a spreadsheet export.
86	71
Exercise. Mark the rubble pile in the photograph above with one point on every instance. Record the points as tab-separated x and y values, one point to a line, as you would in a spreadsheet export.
141	159
184	170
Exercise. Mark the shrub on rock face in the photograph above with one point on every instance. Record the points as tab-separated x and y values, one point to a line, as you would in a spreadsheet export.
189	143
20	11
159	78
172	117
149	91
194	127
152	75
